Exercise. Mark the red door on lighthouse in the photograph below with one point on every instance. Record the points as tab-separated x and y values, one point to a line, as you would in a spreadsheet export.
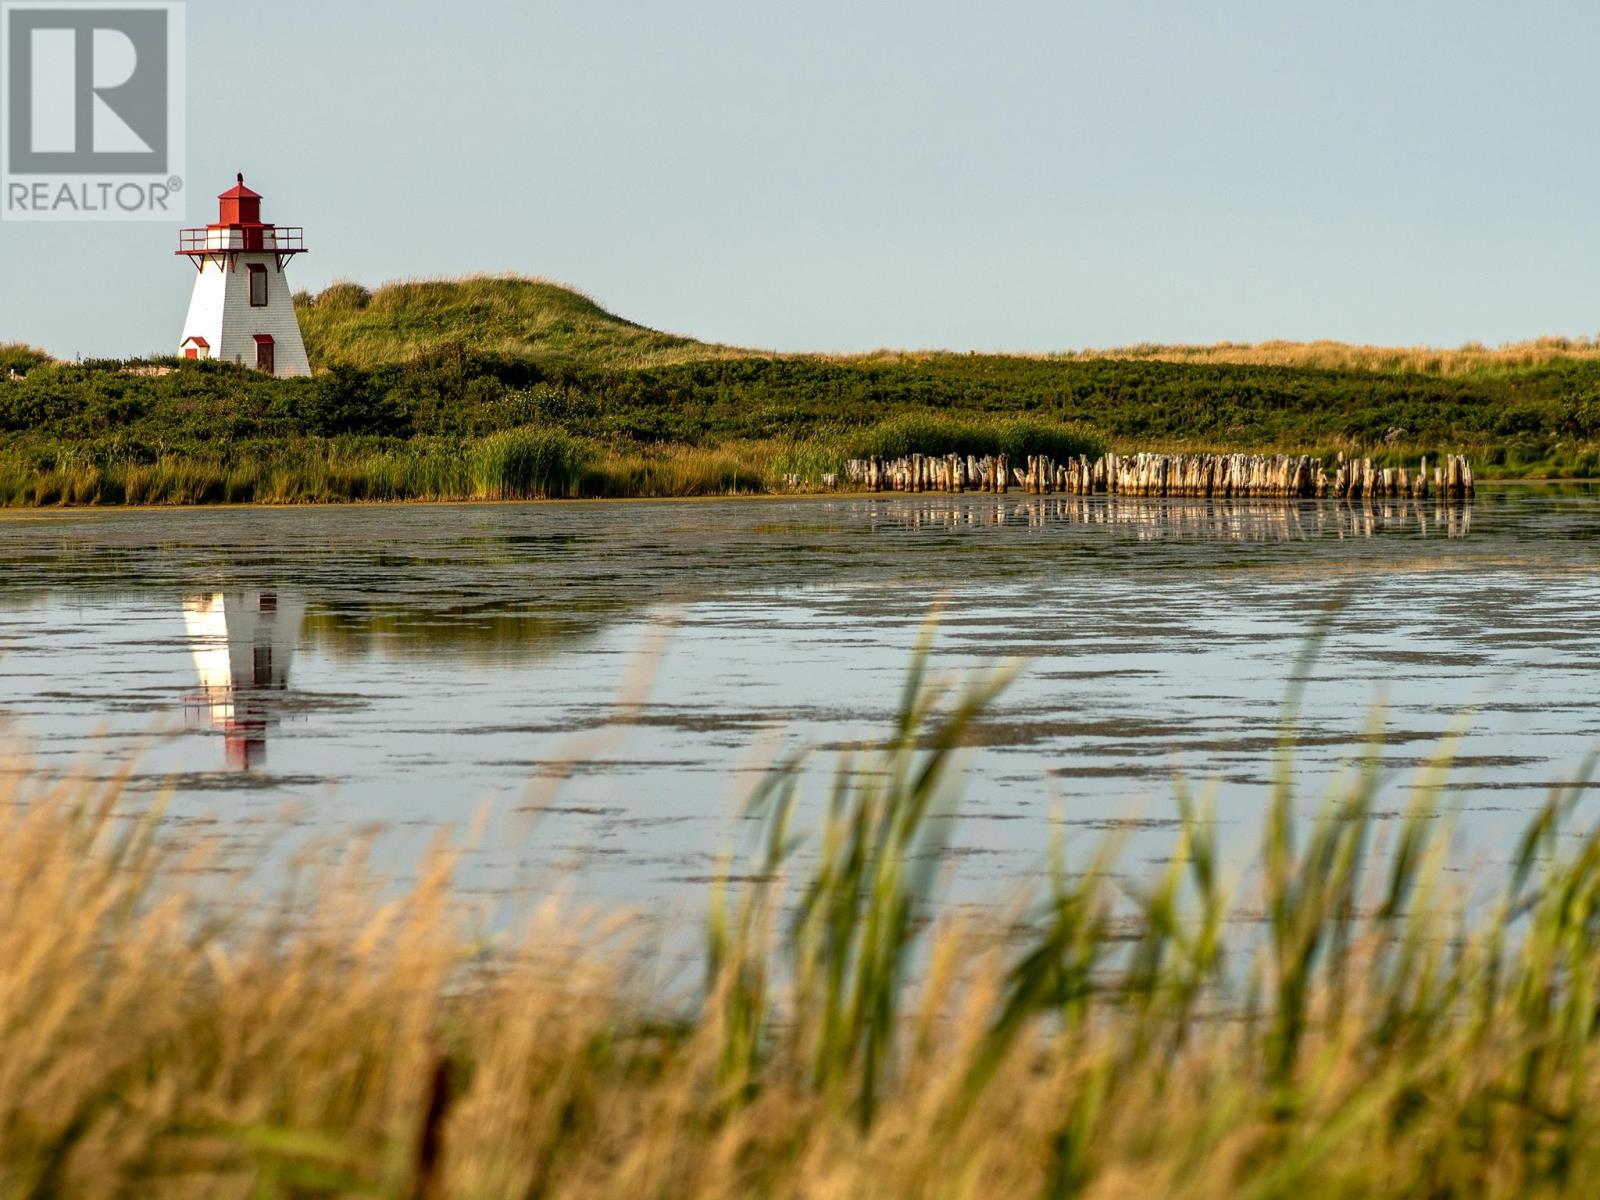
264	358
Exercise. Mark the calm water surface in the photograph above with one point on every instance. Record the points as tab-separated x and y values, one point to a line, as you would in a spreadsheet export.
628	670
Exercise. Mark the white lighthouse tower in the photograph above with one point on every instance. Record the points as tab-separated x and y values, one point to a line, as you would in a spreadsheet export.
243	311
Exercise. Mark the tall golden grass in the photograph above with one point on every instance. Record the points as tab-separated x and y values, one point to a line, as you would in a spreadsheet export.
1332	1024
1470	359
1332	356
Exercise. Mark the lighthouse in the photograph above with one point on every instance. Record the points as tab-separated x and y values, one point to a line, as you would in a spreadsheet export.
242	310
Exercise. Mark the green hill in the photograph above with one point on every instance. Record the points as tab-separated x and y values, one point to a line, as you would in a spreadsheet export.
510	387
507	317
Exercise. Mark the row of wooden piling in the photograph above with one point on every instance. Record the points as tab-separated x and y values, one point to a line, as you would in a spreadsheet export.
1196	476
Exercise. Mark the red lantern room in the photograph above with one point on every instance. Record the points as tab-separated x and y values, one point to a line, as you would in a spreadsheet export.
239	229
240	206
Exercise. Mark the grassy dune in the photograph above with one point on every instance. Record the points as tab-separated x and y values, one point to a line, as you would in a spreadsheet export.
534	318
512	317
1331	1024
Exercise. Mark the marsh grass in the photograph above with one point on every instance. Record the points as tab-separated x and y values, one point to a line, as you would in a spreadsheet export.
516	464
1333	1022
524	464
660	471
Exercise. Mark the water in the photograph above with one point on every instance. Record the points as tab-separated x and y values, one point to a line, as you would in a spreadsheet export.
604	683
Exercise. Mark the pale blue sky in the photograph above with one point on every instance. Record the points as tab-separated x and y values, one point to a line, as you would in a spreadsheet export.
842	176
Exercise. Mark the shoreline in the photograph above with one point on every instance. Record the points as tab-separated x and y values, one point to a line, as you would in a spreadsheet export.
26	511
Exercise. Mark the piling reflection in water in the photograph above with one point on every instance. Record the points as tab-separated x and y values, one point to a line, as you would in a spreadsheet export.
243	645
1185	519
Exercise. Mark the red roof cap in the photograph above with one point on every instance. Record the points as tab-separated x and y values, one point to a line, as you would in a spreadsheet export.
239	192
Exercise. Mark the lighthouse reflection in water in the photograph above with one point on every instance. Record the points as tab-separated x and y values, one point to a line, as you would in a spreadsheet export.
243	645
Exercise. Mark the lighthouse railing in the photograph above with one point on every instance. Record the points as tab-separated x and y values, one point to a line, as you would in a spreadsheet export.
284	239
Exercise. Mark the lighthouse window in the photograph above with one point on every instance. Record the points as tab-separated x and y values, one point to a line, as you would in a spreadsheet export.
258	286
